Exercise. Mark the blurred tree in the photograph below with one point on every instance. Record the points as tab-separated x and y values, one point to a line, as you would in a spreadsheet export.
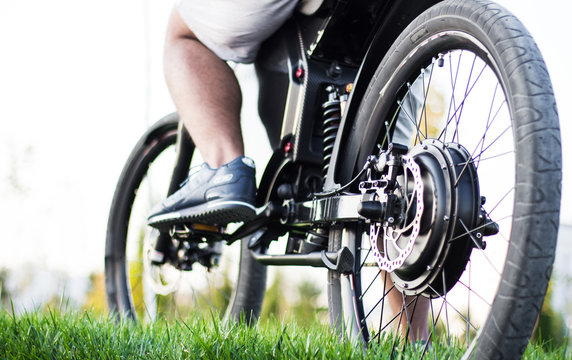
5	294
306	309
95	299
275	304
550	331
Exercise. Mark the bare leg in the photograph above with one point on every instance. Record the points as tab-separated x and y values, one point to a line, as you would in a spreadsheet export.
206	93
414	319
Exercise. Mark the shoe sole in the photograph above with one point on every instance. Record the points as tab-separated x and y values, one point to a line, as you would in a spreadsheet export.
220	213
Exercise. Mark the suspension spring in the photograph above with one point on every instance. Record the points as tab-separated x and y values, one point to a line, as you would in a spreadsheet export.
332	116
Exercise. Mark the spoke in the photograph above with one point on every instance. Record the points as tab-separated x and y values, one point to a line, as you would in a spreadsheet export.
435	319
467	90
364	262
453	86
398	315
472	160
425	347
426	93
434	323
469	306
503	236
482	144
382	305
502	199
474	292
410	318
396	334
386	139
377	304
446	308
370	284
490	121
378	335
495	140
463	317
400	103
459	108
476	242
460	236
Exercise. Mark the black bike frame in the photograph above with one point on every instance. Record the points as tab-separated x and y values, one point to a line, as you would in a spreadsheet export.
342	43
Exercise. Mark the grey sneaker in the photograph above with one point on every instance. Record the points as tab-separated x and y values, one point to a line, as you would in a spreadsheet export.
211	196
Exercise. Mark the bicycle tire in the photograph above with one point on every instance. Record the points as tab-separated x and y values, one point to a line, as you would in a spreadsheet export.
501	44
128	291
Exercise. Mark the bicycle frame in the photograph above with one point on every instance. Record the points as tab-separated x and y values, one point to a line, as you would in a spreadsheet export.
294	67
324	52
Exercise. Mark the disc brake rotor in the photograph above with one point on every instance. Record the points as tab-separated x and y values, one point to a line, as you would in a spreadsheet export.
433	198
392	253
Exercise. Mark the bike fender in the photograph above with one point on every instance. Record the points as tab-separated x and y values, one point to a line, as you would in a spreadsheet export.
346	148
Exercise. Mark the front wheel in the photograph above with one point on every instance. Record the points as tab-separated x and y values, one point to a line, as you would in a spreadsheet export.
201	275
466	90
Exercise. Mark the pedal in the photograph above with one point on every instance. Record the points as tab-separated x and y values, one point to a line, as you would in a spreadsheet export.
197	232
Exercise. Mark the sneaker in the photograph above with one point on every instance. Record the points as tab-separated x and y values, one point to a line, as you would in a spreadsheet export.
211	196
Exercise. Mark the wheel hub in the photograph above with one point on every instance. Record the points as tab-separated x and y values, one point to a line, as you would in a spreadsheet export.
436	203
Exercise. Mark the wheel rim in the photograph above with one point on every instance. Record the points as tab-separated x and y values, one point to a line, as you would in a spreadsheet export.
165	291
442	101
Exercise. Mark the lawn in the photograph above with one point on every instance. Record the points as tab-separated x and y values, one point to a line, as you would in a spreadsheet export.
83	335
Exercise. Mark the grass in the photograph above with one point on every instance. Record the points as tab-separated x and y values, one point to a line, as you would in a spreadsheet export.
81	335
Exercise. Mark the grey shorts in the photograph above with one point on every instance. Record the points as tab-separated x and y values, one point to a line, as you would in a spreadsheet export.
234	29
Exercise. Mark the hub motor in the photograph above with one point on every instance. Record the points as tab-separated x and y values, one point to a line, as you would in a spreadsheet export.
432	218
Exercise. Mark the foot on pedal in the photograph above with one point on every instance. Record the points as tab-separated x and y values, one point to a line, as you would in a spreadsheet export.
211	196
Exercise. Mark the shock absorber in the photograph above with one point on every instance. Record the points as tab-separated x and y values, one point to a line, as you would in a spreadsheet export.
332	114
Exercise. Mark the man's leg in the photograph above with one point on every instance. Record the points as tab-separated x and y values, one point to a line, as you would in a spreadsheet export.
206	93
414	318
208	99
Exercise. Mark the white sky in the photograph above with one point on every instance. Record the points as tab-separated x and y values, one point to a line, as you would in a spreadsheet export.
79	82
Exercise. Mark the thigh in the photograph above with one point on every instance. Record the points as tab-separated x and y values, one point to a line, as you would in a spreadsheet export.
234	29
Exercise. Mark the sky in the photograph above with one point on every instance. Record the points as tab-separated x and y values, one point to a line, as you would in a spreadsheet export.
79	83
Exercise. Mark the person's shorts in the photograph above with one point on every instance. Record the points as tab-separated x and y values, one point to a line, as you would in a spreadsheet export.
234	29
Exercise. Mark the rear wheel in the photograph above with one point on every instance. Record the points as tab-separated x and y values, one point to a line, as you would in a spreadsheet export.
198	275
466	90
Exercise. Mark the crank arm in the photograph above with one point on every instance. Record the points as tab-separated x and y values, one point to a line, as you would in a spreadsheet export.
263	216
320	211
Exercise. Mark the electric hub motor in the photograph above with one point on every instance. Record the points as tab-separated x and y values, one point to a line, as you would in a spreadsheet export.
436	220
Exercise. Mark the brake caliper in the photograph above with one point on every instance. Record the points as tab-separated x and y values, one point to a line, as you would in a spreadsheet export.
392	205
